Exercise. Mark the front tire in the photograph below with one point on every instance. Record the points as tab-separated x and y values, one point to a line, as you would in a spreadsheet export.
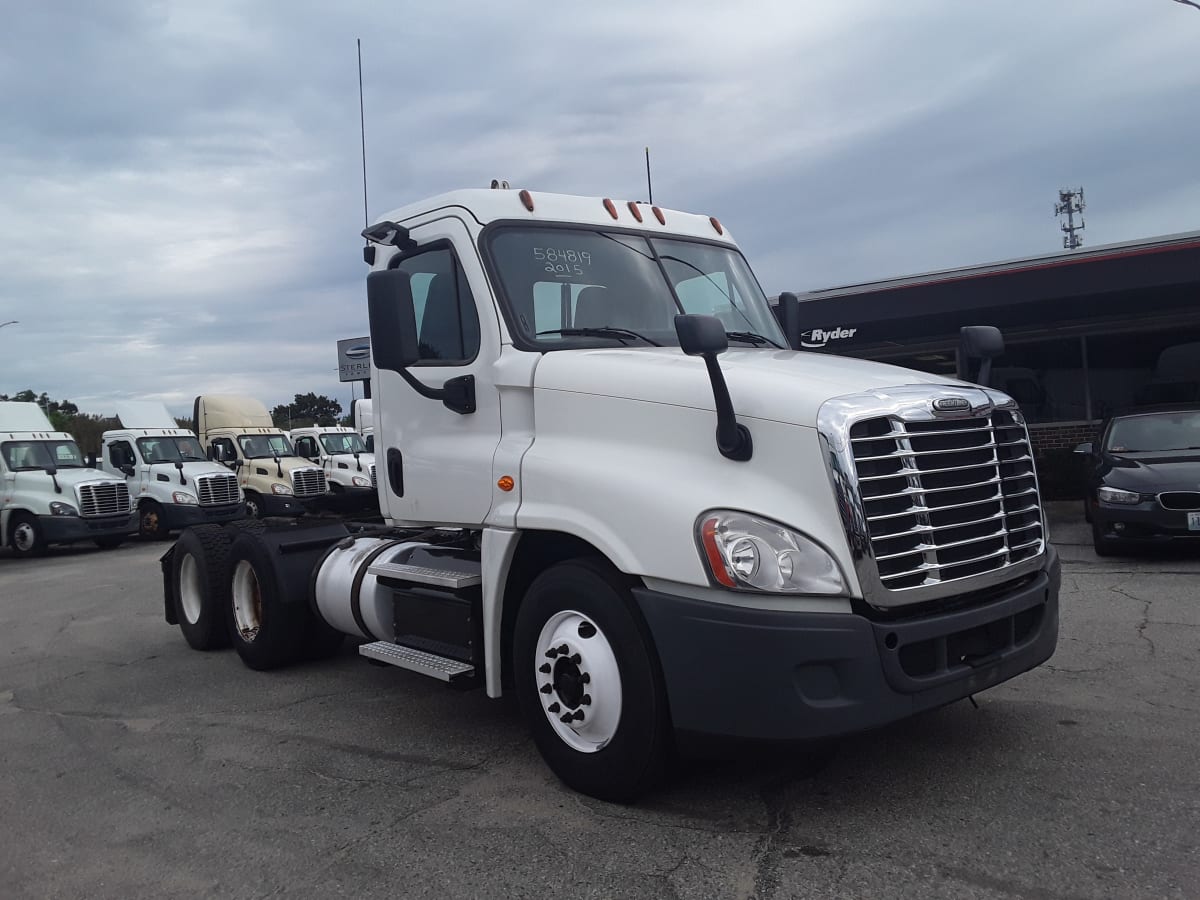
1103	547
200	586
253	505
151	526
588	681
25	536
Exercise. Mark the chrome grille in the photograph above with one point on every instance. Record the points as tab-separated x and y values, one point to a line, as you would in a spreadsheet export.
217	490
109	498
1181	500
373	482
945	499
308	482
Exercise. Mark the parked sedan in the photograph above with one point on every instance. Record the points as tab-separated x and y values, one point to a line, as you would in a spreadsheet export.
1143	479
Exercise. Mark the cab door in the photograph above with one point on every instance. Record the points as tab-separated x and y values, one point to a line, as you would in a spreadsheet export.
435	465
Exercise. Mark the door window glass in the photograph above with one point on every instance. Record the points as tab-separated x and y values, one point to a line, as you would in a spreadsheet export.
447	322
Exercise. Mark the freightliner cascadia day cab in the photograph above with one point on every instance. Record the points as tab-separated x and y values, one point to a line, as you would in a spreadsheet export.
48	494
349	467
172	482
611	489
238	432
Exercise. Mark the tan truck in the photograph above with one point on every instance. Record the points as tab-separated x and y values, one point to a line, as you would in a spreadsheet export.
238	432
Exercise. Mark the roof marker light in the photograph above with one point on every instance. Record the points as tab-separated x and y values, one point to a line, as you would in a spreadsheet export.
526	199
716	224
611	207
658	214
633	208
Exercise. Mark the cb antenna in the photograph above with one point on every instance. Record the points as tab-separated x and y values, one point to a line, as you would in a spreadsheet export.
368	250
649	188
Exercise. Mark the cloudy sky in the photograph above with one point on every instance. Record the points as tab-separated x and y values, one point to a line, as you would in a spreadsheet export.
180	192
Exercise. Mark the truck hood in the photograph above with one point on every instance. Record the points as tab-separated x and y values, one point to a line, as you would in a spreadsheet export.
287	463
190	470
67	478
778	385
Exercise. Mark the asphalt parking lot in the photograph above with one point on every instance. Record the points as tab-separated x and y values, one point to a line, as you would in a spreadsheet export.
131	766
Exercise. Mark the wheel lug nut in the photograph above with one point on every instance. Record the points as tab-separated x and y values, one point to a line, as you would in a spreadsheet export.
563	649
551	653
578	717
545	669
546	688
553	707
585	678
576	658
566	718
587	700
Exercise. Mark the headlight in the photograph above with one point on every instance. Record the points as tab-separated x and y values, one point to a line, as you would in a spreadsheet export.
359	481
62	509
280	489
747	552
1116	495
184	497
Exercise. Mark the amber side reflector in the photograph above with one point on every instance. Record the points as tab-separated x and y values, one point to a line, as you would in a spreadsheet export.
716	224
658	214
611	207
708	537
526	199
633	208
505	483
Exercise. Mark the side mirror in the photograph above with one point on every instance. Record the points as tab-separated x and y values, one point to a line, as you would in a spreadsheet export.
127	469
982	342
704	336
701	335
787	312
393	320
1085	448
90	460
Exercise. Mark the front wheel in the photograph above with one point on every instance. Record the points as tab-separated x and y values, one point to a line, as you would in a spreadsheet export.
253	505
588	681
25	535
150	521
1103	547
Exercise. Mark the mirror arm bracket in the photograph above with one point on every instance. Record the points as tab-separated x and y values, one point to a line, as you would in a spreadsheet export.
733	438
457	394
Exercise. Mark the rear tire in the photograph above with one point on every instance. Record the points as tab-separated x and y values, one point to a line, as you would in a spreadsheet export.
607	682
1103	547
25	535
266	632
200	586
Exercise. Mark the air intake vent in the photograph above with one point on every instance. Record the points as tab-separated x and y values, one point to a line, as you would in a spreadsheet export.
103	499
308	482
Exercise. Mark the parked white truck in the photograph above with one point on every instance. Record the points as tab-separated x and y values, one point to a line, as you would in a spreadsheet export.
48	494
611	489
349	466
238	432
172	482
364	422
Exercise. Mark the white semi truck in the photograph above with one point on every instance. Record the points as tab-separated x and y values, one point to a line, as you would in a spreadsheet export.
612	489
48	493
349	466
364	422
238	432
172	482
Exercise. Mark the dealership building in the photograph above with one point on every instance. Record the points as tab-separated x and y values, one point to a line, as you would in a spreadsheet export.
1087	333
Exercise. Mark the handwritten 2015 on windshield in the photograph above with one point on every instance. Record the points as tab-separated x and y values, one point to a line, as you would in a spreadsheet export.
562	263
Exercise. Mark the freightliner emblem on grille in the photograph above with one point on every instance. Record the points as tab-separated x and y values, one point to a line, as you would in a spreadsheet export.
951	404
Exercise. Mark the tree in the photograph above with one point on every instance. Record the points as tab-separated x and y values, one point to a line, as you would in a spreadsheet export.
186	423
306	409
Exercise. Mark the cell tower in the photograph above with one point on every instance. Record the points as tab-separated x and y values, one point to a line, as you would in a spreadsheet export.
1069	203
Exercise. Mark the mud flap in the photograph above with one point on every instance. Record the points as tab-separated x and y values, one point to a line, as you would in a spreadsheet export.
168	595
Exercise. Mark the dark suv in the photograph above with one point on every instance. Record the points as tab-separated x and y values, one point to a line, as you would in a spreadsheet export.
1143	478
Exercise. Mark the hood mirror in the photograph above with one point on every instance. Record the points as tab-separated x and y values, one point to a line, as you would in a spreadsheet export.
704	336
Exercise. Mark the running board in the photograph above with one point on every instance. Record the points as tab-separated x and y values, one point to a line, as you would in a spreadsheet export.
404	573
443	668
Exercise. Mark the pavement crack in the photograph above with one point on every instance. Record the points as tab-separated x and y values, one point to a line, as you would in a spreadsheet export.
1145	620
767	854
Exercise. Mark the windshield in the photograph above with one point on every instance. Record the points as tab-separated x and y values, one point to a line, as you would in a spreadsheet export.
170	449
1158	431
25	455
342	443
264	446
556	278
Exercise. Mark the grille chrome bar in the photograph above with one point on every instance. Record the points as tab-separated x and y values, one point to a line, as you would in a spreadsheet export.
219	489
103	498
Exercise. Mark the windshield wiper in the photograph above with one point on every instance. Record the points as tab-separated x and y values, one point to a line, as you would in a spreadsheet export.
602	331
751	337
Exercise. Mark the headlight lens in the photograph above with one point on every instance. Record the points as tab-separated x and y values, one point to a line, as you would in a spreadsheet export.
749	553
1116	495
58	508
184	497
359	481
280	489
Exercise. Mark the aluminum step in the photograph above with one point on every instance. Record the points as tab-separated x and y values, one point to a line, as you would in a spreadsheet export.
440	667
423	575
